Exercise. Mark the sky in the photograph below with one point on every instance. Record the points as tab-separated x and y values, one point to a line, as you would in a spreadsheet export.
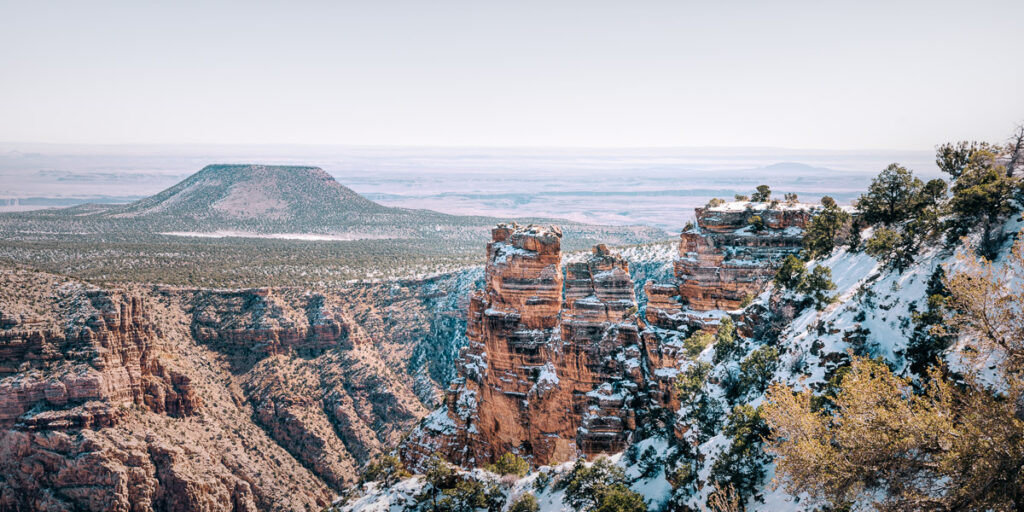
815	74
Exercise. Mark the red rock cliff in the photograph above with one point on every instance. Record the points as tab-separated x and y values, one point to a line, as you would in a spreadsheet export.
552	362
723	260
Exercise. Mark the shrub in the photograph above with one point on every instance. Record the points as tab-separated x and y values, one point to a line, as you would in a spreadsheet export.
790	273
825	230
697	342
509	464
892	248
890	197
816	286
756	222
526	503
386	469
542	481
741	197
762	194
715	202
929	339
690	380
791	197
756	370
742	466
983	194
618	498
952	158
585	484
602	487
725	340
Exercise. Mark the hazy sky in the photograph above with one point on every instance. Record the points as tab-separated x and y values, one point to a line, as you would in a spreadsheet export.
815	74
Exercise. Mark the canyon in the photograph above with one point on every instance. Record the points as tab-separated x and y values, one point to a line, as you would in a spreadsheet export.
563	361
140	397
170	398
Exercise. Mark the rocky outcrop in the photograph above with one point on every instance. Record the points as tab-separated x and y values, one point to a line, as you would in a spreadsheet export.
252	324
162	398
79	370
553	362
725	259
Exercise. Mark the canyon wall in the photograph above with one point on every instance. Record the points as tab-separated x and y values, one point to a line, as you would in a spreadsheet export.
559	364
724	260
168	398
553	365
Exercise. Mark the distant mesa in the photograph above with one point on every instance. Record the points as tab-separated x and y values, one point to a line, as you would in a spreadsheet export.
287	202
246	192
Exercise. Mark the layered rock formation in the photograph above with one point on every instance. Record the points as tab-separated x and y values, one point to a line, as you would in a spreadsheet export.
553	361
724	259
558	364
102	355
162	398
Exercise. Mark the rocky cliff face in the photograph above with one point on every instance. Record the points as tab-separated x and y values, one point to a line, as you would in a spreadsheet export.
554	358
167	398
80	367
724	260
558	363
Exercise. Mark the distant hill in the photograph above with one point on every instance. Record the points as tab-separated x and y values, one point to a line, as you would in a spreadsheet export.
260	200
241	193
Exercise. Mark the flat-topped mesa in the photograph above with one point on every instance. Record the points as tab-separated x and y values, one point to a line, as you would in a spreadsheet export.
732	252
545	377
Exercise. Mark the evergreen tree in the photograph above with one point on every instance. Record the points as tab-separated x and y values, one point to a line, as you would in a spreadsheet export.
889	197
762	195
790	273
983	194
509	464
825	229
742	465
816	286
952	158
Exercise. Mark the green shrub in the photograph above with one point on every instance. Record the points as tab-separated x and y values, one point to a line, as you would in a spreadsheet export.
697	342
599	486
542	481
756	370
742	466
825	230
386	469
690	380
817	285
790	273
756	223
890	197
725	340
509	464
526	503
619	498
762	195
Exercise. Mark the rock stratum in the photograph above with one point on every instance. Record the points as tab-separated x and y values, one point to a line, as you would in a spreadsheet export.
724	261
561	362
164	398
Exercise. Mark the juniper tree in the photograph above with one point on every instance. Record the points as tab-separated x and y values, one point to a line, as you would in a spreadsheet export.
825	229
889	197
762	195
